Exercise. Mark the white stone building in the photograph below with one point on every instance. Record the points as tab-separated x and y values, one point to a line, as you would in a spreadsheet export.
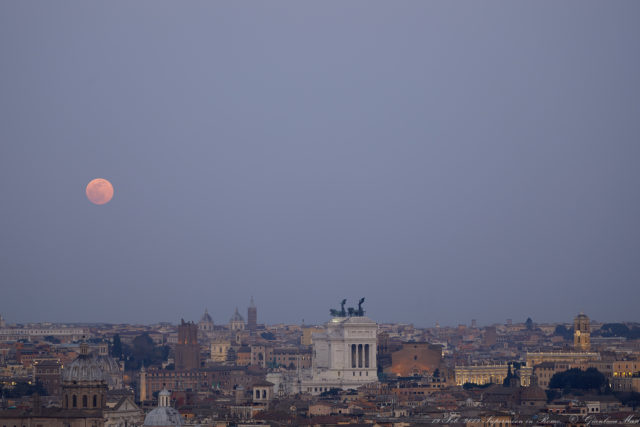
344	357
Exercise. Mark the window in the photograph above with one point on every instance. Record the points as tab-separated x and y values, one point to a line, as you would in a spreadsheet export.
95	400
74	400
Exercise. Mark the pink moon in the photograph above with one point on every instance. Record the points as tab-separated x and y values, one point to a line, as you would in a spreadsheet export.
99	191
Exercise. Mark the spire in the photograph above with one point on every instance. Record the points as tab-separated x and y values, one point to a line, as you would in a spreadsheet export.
251	304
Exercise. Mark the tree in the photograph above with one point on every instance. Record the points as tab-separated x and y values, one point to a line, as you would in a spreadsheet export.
529	324
629	399
619	330
143	347
562	331
578	379
332	392
116	347
468	386
144	351
552	394
614	330
23	388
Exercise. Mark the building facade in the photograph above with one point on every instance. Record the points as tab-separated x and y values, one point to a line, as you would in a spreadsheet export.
48	372
481	374
218	350
344	356
416	358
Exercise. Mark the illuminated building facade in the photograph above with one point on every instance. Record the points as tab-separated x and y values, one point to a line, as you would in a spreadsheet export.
482	374
415	358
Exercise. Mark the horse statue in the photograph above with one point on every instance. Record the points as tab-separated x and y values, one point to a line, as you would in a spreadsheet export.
360	311
341	312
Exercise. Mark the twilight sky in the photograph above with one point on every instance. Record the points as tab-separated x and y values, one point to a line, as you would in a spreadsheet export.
445	160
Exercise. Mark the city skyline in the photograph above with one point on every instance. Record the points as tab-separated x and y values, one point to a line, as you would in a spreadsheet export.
219	321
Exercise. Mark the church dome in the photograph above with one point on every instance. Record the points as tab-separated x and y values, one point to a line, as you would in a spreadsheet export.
108	364
111	371
237	317
163	416
206	318
84	368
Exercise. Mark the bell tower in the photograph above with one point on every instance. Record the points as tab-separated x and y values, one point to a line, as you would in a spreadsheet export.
252	316
581	333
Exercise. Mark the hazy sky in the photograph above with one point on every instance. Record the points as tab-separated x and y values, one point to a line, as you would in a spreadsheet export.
446	160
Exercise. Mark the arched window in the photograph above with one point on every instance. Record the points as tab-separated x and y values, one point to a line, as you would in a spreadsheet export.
74	401
66	401
257	394
95	400
84	401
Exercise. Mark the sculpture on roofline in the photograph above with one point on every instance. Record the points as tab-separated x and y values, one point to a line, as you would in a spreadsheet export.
350	312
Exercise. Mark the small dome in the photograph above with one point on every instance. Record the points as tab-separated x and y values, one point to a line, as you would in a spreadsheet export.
163	416
84	368
237	317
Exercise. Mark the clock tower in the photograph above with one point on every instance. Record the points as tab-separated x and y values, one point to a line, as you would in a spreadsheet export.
581	333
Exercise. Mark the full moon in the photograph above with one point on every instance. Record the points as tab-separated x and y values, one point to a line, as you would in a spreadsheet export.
99	191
